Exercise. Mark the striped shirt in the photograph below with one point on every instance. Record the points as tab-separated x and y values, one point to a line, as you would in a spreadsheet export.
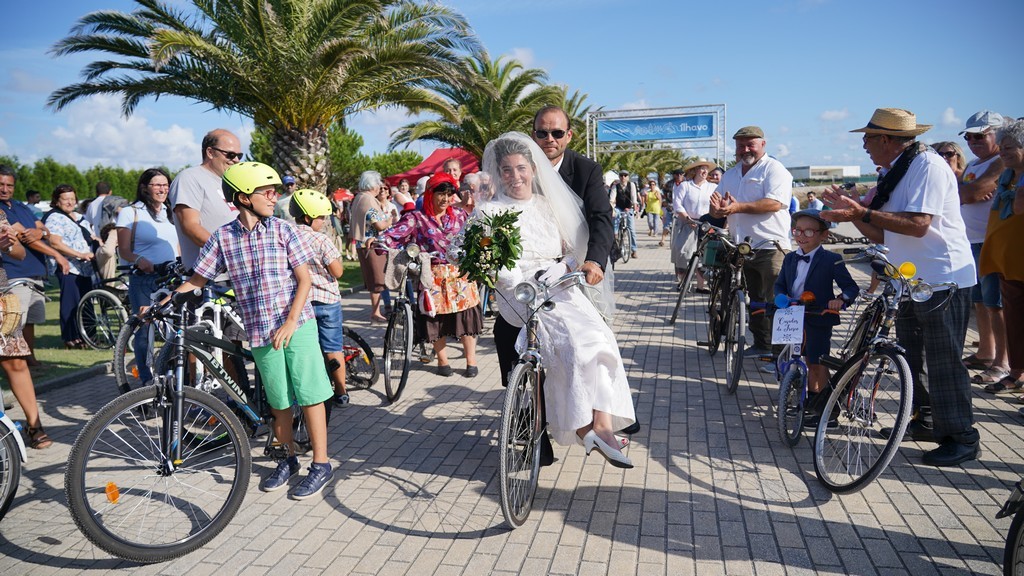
259	263
325	285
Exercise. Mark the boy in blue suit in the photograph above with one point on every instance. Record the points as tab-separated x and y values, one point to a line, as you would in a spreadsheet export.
813	269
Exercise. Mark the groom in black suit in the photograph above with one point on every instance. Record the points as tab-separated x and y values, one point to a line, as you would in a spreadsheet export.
552	133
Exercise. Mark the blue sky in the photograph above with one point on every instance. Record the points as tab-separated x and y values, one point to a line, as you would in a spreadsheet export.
807	71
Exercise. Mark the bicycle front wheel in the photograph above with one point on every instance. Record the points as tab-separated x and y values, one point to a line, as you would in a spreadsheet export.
863	421
397	351
624	242
735	340
10	469
101	315
519	445
128	497
792	396
716	311
361	371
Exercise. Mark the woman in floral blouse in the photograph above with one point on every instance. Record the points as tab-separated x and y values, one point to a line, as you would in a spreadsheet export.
455	299
70	235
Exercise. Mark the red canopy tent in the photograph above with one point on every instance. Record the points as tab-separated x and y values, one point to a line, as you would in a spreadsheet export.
433	164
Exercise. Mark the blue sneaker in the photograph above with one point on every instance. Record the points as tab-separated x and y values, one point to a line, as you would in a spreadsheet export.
314	482
279	478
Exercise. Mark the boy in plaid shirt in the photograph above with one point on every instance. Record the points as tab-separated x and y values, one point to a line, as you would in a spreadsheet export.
268	266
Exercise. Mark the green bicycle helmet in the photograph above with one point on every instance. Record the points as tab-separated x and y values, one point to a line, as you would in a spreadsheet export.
246	177
310	203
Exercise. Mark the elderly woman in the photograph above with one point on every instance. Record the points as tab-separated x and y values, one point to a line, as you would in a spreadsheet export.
953	155
586	393
455	299
146	237
691	201
14	350
70	235
1000	254
366	219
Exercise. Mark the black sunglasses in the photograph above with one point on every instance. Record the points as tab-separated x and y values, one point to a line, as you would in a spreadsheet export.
947	154
543	134
228	154
975	136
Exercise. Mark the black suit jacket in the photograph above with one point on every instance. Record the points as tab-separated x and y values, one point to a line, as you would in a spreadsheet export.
583	175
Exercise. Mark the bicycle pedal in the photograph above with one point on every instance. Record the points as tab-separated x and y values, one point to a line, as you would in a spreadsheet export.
703	343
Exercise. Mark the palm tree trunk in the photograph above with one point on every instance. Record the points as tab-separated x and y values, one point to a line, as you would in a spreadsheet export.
302	154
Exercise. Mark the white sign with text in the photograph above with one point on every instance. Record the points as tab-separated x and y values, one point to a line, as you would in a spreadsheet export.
788	325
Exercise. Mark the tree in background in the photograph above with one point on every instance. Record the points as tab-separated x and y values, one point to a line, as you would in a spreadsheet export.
489	98
294	66
46	174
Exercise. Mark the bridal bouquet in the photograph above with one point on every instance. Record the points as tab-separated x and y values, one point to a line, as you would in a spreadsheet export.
486	245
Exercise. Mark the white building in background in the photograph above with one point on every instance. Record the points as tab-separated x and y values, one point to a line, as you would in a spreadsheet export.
834	173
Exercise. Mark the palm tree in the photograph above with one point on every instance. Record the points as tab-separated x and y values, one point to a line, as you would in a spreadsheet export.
492	97
293	66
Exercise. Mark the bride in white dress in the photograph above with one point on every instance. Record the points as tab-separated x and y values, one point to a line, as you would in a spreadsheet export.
586	394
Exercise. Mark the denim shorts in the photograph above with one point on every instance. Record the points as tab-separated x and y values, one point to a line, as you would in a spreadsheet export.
986	291
329	326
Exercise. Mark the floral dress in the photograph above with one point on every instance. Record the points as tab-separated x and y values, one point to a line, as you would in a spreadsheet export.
13	345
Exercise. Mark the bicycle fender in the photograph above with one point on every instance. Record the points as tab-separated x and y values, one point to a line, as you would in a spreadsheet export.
6	422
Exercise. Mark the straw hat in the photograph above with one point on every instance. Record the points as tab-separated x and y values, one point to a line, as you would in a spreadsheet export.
894	122
697	163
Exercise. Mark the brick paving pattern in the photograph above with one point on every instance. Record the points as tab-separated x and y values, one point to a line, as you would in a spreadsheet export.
714	491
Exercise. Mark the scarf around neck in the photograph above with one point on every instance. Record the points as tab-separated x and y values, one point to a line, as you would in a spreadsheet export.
1005	192
888	182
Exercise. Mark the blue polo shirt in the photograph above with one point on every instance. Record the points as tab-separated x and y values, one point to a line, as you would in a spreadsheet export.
33	266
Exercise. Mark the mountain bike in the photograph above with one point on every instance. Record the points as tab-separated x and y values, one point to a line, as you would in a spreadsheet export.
522	420
869	408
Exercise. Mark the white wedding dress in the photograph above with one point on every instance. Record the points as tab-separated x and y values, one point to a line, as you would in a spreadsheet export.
583	367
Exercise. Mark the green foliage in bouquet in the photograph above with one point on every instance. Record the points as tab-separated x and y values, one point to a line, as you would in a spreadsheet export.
489	244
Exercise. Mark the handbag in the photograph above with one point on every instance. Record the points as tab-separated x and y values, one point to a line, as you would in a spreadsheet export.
10	314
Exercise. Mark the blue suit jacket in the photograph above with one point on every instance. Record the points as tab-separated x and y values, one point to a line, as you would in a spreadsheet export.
825	268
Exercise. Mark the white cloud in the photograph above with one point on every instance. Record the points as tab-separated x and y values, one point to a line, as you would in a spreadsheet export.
835	115
949	118
4	148
28	83
377	126
635	105
525	56
782	151
783	129
96	133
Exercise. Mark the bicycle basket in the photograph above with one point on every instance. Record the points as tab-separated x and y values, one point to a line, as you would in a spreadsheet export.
10	314
715	254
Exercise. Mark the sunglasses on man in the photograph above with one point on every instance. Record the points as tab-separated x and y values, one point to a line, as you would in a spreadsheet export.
543	134
229	154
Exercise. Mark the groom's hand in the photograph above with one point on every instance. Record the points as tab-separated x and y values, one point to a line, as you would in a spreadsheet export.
592	271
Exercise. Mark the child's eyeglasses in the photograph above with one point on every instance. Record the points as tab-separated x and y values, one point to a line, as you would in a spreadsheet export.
805	232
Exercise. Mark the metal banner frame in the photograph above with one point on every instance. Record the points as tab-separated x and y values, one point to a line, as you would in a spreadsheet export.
716	141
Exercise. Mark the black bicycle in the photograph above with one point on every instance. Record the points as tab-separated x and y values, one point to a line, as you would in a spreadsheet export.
401	331
103	311
700	262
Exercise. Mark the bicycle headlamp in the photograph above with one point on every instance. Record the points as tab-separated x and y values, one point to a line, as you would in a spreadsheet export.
921	292
412	250
744	248
525	293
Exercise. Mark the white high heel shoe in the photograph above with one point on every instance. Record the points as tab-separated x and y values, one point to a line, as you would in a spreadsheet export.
623	441
613	456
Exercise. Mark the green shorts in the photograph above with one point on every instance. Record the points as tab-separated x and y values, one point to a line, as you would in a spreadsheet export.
295	373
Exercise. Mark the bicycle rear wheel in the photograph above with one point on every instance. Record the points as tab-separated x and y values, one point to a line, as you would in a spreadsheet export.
519	445
684	286
130	500
735	340
10	469
716	311
397	350
361	371
101	315
792	397
869	396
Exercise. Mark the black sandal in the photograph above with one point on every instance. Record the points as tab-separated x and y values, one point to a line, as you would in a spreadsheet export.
38	439
1007	384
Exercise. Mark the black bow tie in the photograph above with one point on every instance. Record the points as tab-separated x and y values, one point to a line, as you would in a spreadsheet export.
804	259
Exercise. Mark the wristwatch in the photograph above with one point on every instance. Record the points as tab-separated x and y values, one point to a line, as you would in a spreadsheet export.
866	218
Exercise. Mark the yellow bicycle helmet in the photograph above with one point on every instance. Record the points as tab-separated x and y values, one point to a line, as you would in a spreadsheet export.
310	203
246	177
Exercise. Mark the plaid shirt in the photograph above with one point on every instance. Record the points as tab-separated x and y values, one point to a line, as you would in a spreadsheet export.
325	285
259	263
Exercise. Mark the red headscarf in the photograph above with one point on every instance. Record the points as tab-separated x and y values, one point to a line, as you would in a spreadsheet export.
436	180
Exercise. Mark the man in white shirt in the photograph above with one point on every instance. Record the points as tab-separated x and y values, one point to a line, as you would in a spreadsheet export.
92	213
916	213
754	196
813	203
977	185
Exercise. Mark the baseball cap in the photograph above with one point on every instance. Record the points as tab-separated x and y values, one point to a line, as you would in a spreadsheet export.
288	180
623	172
982	121
749	132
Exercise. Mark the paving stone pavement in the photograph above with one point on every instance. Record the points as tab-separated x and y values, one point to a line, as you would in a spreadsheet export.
714	491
